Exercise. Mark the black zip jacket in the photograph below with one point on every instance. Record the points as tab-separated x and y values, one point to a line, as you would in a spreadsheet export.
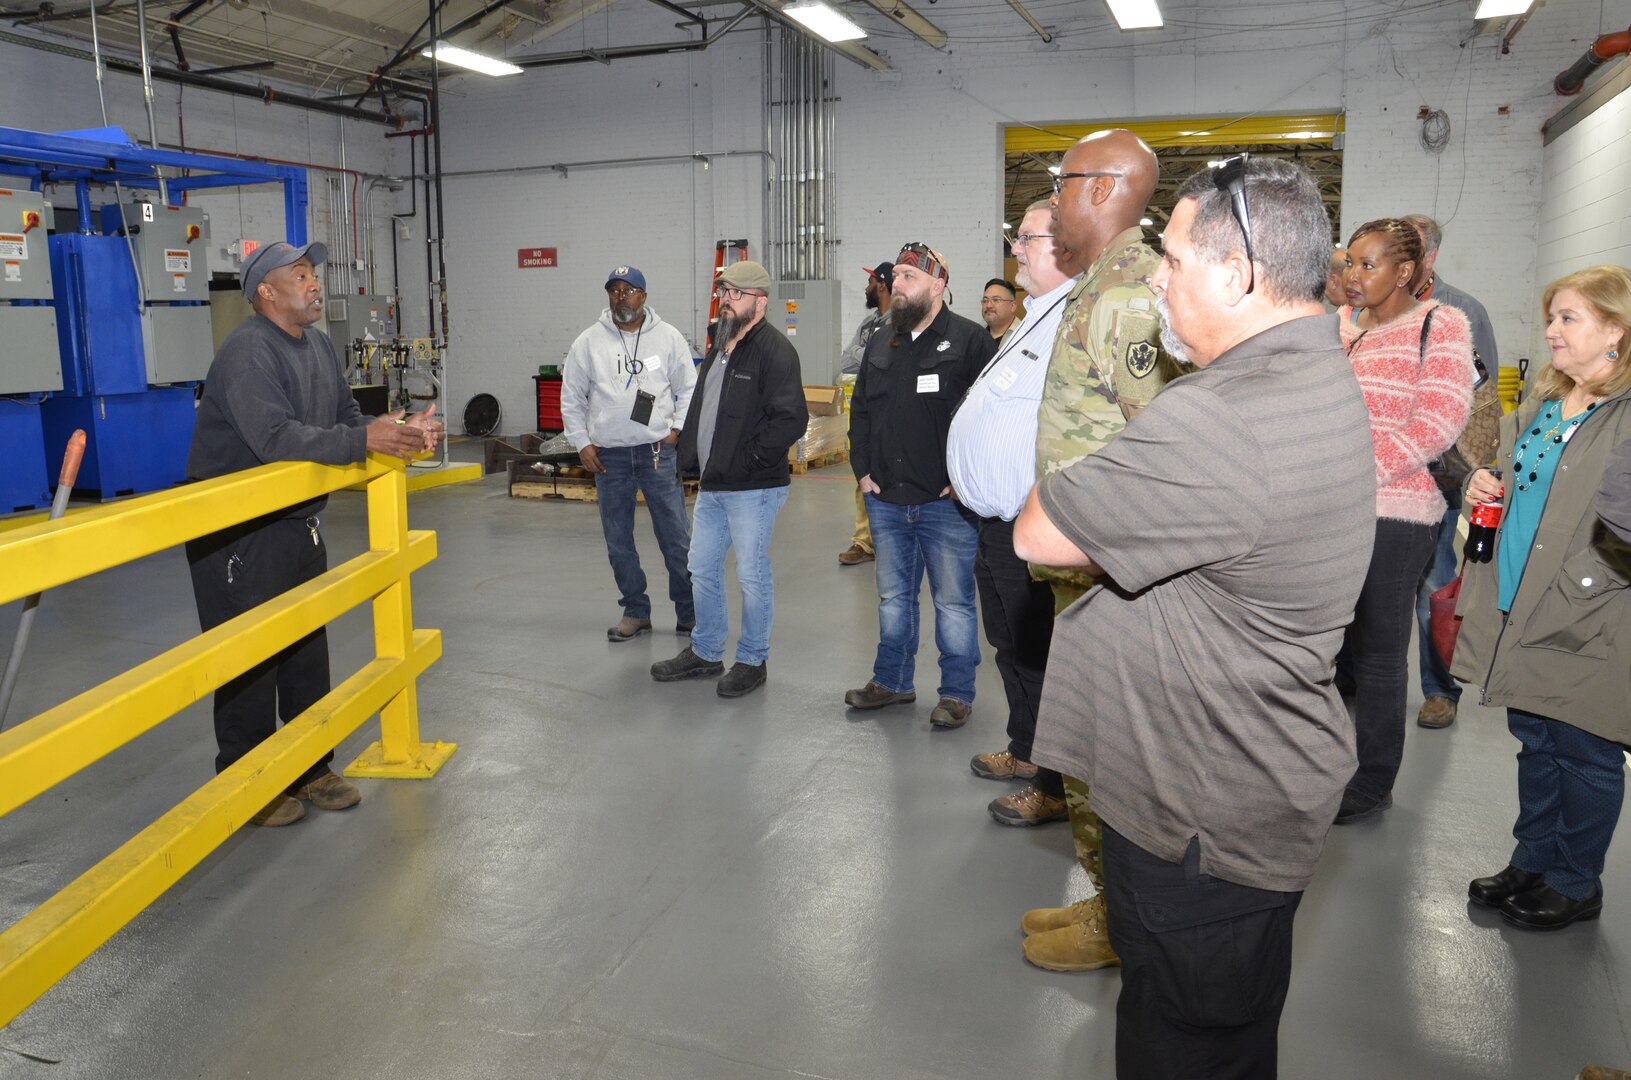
904	398
761	414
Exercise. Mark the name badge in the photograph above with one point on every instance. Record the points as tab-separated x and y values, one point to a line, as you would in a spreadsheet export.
929	384
1005	378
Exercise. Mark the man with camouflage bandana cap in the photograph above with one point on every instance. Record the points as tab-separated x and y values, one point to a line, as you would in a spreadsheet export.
1107	364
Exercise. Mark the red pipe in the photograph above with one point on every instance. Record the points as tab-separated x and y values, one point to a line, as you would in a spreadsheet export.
1601	52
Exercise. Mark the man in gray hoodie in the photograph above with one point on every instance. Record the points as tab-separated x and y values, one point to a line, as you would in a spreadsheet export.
624	391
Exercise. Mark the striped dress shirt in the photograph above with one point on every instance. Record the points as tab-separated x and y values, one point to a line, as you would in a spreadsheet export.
991	448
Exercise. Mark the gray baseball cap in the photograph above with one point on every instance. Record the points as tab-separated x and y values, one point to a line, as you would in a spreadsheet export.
273	255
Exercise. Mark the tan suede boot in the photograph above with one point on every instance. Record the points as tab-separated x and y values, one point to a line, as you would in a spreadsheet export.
1083	946
1041	920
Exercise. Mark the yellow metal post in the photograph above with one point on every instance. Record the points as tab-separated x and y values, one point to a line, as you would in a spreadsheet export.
399	754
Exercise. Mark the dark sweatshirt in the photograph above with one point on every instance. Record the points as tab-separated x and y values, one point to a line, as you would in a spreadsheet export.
904	398
271	397
761	414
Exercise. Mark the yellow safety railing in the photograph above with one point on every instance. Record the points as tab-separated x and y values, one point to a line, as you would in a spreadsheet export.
48	942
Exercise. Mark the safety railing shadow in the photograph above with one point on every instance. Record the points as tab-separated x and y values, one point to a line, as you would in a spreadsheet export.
42	751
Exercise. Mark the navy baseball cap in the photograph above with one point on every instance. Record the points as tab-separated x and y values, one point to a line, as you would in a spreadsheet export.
884	272
271	256
629	274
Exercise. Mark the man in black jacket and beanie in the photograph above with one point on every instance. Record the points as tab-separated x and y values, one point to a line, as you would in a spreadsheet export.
911	382
747	409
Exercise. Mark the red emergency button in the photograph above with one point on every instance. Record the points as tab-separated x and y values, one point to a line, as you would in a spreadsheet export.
193	233
31	219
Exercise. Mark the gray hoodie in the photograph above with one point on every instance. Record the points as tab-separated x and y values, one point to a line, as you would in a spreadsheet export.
599	383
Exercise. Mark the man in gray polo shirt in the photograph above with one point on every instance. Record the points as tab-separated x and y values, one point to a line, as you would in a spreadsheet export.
1193	691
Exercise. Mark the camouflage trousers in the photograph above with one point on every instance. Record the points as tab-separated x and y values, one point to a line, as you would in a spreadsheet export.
1086	831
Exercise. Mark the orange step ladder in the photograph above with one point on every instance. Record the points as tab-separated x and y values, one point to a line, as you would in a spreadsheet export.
741	248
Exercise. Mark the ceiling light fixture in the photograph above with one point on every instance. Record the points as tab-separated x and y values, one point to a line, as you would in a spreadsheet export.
824	21
1500	9
1137	14
474	61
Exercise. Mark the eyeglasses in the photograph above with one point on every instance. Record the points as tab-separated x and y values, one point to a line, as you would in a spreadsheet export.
1025	238
1230	178
996	300
1060	178
622	288
731	292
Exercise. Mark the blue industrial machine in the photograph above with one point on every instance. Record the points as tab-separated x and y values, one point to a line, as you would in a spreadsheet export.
127	293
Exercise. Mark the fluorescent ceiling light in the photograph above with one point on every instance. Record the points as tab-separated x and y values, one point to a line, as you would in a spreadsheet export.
1138	14
1056	169
475	61
824	21
1145	221
1500	9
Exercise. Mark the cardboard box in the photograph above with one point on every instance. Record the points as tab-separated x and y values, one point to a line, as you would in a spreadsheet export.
824	400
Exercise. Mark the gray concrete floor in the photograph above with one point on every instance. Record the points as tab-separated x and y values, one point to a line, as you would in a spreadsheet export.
614	878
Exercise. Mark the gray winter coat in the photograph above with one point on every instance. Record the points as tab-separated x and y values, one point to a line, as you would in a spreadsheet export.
1565	650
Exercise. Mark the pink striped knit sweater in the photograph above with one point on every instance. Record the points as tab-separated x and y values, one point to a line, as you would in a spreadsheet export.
1418	405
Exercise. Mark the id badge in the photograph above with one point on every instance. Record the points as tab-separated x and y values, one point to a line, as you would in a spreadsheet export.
641	413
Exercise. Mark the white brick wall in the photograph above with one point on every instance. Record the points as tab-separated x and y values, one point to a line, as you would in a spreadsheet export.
918	154
1586	185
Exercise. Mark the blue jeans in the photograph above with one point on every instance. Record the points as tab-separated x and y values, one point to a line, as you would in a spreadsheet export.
629	468
1571	784
744	520
1435	677
907	540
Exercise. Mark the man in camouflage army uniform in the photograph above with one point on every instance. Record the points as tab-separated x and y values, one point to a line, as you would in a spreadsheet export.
1107	364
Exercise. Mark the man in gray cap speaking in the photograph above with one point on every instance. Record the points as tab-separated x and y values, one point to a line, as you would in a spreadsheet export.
276	392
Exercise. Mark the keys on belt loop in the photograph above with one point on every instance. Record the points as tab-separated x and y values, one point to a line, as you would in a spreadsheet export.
311	524
656	455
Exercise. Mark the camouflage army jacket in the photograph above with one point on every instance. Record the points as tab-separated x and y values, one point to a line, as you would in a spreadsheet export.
1107	363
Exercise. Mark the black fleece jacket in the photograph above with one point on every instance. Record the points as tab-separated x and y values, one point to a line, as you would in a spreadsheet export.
904	398
761	414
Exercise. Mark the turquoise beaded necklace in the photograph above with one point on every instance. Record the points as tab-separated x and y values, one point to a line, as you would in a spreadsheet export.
1556	435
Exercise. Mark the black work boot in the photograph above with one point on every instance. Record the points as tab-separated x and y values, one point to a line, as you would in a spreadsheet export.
687	665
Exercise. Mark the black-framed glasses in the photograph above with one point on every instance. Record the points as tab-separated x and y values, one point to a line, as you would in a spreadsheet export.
1060	178
731	292
1230	178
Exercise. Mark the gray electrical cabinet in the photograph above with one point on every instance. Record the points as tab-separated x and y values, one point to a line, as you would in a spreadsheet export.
807	312
29	359
360	317
169	243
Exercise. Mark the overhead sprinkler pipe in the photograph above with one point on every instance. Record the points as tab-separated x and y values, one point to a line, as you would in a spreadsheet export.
1601	52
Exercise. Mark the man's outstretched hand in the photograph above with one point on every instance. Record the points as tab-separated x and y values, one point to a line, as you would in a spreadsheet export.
406	438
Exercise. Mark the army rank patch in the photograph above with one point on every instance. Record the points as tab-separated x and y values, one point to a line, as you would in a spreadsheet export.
1140	358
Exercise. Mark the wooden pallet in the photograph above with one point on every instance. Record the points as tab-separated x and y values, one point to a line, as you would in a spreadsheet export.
820	461
572	489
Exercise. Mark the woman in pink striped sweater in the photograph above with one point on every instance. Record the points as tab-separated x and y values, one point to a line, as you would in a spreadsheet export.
1414	363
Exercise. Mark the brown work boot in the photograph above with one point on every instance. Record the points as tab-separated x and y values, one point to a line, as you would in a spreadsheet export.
1083	946
950	713
873	696
1001	766
1436	712
1028	806
279	812
329	792
628	628
855	556
1041	920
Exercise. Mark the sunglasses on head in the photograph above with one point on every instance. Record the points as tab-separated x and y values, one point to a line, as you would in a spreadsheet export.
1230	178
924	258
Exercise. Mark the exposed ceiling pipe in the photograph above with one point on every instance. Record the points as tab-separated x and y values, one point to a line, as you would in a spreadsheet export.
1601	52
1047	38
261	92
850	50
147	95
909	19
689	16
